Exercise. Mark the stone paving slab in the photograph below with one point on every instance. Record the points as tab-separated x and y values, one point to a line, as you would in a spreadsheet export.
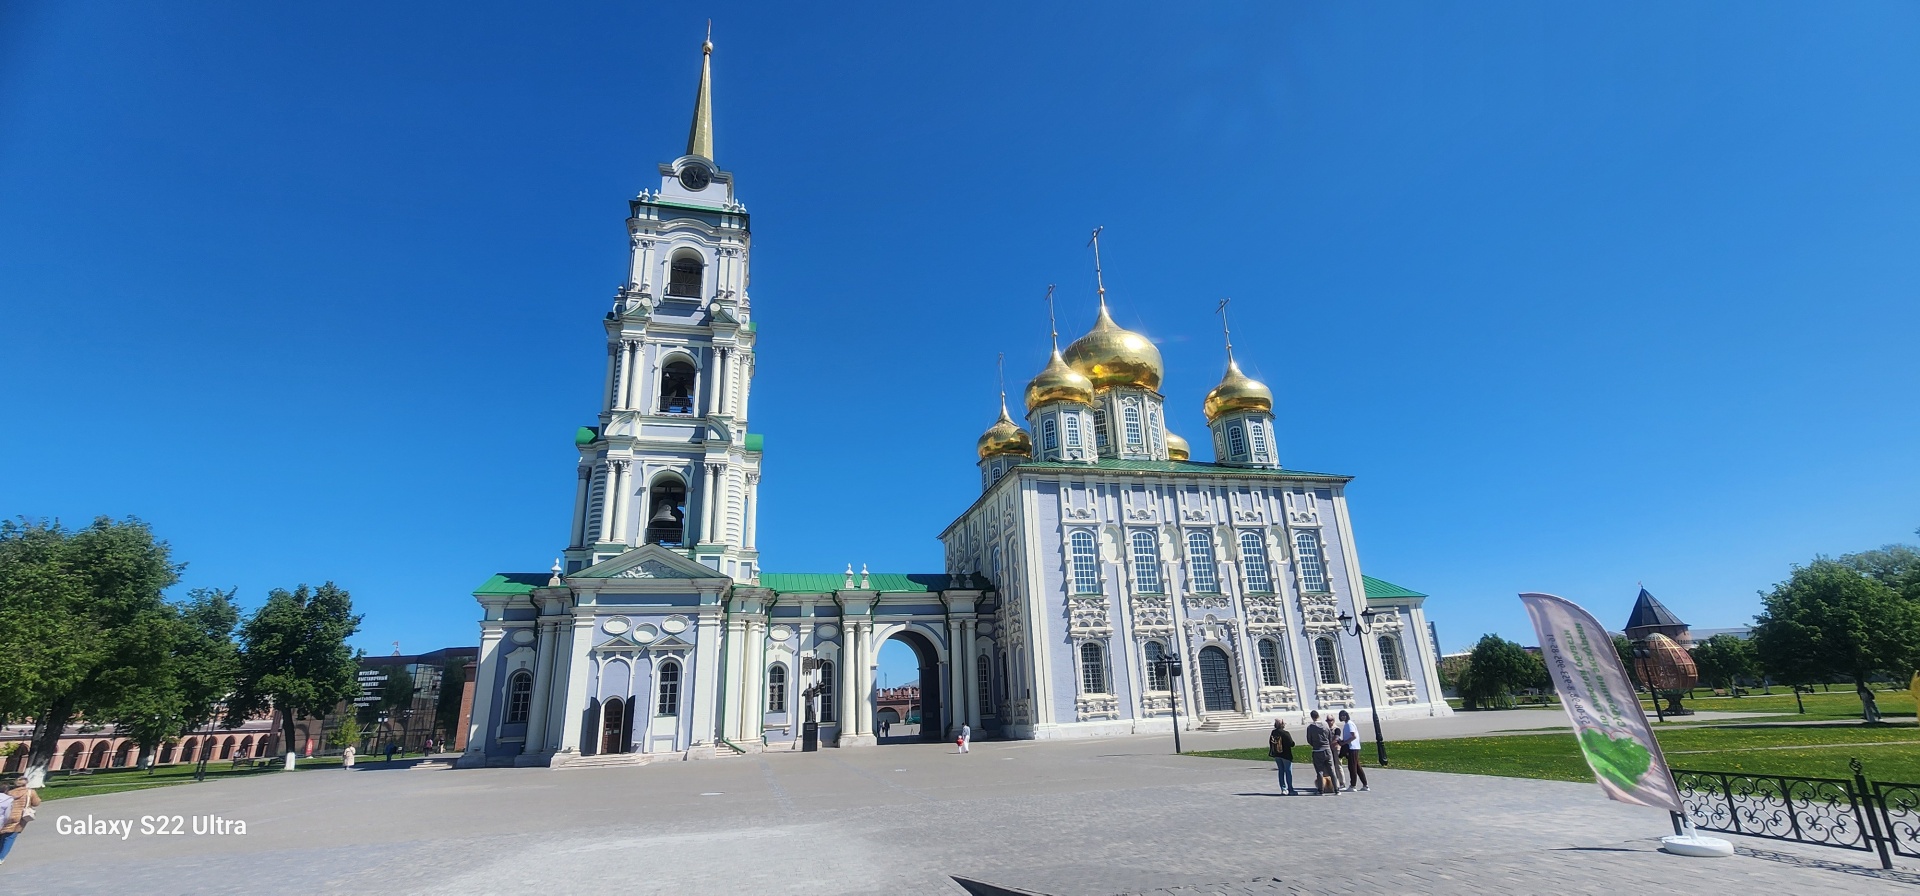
1077	818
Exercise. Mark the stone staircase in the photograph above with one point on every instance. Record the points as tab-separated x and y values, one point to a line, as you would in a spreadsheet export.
609	760
1234	721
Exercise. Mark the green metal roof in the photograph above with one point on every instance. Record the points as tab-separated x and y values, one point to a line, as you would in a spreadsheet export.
514	583
1176	466
584	436
755	441
824	582
1379	589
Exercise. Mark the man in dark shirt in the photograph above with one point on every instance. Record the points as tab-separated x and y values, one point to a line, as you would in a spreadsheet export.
1322	754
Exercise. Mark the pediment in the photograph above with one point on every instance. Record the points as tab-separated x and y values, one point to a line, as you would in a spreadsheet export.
649	561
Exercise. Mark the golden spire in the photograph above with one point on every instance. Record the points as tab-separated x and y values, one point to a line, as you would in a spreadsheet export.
700	137
1004	437
1098	280
1225	330
1109	355
1053	326
1057	381
1237	391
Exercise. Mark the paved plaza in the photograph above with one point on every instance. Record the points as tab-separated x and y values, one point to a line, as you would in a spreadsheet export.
1077	818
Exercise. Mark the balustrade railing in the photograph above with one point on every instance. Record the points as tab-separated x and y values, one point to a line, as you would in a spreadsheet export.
1856	813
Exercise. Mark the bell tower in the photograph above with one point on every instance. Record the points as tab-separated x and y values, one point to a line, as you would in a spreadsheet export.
671	461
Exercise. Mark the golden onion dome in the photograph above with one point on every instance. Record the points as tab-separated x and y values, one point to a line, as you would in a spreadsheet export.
1058	382
1237	392
1111	356
1005	438
1177	448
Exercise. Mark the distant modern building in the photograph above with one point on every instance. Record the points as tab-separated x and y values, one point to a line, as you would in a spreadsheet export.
1651	617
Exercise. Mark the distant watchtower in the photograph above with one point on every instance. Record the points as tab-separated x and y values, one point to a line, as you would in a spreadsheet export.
1651	617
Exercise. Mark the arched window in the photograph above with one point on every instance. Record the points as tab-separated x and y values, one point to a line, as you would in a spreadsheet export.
777	688
1259	437
71	758
1153	428
1073	430
1146	562
1130	418
166	754
669	676
1271	673
246	748
676	387
1306	550
226	749
1236	441
1253	562
683	278
1156	673
826	692
986	686
667	512
1086	564
1093	669
1390	658
1100	427
1200	561
1324	657
1050	434
519	697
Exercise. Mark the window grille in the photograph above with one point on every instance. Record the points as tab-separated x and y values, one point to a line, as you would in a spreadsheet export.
1156	674
684	278
1050	434
1236	442
1324	657
1146	563
777	688
1270	674
1086	564
519	697
1259	438
1306	549
1100	428
986	686
1153	428
1131	419
1073	430
1093	669
1200	561
1390	658
669	689
1253	562
826	692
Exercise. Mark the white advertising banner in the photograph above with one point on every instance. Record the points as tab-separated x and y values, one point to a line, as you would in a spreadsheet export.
1607	719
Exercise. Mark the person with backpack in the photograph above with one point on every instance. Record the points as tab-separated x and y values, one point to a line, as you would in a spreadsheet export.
1280	749
16	809
1350	740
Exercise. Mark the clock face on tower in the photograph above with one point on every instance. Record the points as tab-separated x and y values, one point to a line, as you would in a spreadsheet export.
695	177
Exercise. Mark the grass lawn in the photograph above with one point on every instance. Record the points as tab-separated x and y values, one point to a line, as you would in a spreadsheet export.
1891	752
61	785
1821	706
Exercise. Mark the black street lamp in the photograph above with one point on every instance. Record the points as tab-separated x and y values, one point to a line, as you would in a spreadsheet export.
1169	668
1359	628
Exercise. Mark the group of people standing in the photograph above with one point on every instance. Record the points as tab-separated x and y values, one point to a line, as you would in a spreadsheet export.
1333	744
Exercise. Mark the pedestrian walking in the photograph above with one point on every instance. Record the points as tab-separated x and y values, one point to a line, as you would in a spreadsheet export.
1320	744
1280	748
390	747
966	734
427	749
17	806
1337	751
1350	738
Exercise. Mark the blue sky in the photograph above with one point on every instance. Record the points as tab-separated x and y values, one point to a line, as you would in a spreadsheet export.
1583	296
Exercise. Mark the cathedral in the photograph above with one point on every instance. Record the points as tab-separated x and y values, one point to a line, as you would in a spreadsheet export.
1103	583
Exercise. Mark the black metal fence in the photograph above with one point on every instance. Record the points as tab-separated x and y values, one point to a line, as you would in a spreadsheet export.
1857	814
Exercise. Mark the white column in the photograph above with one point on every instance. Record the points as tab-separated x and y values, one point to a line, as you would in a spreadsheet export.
625	383
580	495
735	661
753	717
606	506
866	678
613	370
956	703
576	703
849	681
636	369
705	689
542	687
480	724
746	383
720	380
706	503
968	629
752	514
623	482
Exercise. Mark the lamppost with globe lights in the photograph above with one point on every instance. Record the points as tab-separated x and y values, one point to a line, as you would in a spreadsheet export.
1359	628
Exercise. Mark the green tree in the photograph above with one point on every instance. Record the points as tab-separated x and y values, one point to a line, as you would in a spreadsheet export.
188	668
75	610
1496	668
1895	565
1723	660
1828	621
347	733
294	656
1624	649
